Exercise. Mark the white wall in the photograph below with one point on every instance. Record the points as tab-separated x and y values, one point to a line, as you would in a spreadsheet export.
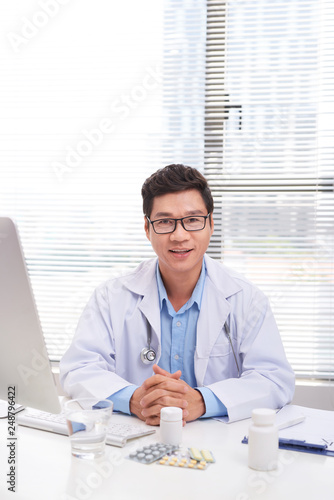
314	395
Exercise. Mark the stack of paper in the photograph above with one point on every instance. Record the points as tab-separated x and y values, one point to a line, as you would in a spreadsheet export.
315	429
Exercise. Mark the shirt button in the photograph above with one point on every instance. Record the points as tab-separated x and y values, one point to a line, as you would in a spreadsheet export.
176	356
178	323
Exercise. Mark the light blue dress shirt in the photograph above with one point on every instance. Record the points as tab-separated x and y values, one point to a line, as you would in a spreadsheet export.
178	344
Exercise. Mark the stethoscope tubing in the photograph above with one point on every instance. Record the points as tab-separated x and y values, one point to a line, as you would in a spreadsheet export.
148	354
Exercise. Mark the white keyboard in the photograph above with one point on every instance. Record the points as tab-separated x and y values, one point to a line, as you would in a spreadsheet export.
118	434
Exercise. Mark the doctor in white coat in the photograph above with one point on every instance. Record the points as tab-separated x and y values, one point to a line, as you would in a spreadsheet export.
180	330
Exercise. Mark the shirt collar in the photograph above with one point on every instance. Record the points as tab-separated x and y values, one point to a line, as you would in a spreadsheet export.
196	296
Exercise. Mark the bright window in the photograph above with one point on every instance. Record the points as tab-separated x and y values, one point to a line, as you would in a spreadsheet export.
270	158
95	97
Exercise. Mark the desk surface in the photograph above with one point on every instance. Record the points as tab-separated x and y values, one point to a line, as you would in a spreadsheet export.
46	470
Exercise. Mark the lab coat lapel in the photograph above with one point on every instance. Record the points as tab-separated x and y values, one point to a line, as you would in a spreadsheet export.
215	310
149	306
144	284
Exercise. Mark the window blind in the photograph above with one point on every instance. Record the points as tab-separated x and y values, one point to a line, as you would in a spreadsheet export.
94	97
269	155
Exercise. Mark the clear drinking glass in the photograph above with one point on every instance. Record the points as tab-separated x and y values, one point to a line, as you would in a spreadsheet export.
87	422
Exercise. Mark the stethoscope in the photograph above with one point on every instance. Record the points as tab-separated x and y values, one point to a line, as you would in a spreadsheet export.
227	331
148	354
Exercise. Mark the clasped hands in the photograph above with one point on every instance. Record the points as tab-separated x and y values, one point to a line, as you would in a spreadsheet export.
166	389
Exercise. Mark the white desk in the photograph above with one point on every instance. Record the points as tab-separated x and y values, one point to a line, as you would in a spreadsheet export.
46	470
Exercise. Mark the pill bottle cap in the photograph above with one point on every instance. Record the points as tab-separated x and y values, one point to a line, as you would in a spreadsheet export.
263	416
171	414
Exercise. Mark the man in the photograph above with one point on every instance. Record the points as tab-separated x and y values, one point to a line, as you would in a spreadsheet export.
180	330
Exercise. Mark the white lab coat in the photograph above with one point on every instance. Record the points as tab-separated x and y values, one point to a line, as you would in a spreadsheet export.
104	356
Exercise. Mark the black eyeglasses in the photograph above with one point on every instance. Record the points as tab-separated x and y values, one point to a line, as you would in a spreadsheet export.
192	223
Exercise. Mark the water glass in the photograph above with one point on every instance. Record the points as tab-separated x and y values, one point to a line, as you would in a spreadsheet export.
87	422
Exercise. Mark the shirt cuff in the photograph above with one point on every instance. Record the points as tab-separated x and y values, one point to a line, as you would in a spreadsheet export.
214	407
121	399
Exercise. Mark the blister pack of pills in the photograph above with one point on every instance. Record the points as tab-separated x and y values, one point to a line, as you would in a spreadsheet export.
182	460
151	453
192	458
201	455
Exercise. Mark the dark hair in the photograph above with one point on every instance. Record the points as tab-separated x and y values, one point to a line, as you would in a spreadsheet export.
172	179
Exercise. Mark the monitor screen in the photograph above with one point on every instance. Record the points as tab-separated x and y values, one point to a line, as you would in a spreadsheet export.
25	369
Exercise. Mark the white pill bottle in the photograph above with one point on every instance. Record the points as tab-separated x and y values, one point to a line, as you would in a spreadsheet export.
263	440
171	425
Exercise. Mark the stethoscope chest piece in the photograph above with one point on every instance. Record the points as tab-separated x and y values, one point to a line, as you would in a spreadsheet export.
147	355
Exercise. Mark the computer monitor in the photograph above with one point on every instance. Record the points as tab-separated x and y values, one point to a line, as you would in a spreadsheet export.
24	364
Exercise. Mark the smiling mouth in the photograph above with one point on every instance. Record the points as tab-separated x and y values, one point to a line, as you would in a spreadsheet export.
180	251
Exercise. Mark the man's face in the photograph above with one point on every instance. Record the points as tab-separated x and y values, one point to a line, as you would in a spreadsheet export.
181	251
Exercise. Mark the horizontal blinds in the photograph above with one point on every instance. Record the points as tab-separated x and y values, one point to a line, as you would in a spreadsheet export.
270	160
94	97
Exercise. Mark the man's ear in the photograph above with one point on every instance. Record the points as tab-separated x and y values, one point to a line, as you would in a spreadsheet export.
212	224
146	228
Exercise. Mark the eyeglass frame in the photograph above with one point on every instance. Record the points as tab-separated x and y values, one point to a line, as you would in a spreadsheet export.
205	217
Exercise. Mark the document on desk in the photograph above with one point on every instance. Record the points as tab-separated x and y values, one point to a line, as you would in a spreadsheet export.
305	429
315	434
